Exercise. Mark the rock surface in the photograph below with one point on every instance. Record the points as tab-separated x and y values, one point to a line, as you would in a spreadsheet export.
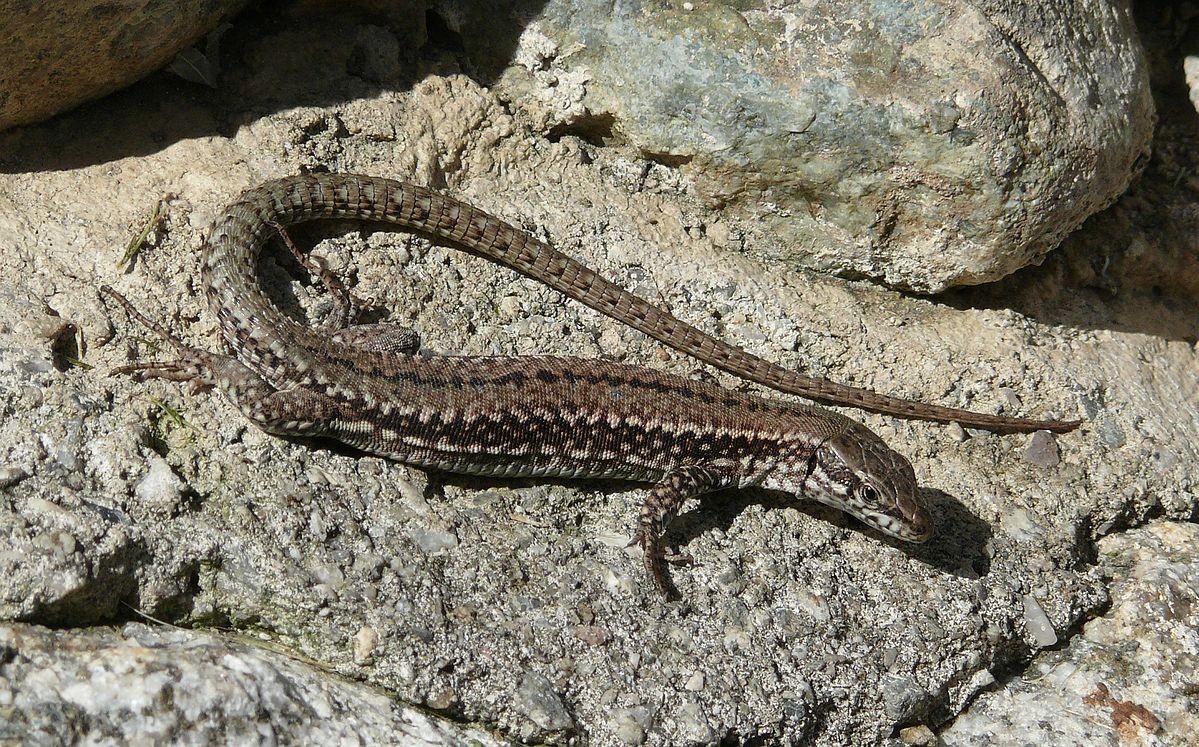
925	145
515	604
56	55
1130	676
143	685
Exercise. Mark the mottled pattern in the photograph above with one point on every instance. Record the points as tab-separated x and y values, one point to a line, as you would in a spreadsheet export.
516	416
236	238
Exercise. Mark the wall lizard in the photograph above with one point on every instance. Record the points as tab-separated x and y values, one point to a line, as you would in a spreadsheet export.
368	386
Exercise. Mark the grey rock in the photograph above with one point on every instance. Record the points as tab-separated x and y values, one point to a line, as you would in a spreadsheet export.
902	698
630	724
693	727
142	685
1130	677
432	540
11	475
925	145
1112	434
537	699
1037	623
161	489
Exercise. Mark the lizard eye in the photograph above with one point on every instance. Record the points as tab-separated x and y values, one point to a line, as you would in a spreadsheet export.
869	494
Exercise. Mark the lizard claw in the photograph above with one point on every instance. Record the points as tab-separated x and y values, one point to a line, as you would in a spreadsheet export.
654	560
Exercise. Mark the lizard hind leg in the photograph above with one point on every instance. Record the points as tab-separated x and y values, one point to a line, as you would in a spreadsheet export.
379	338
290	412
191	364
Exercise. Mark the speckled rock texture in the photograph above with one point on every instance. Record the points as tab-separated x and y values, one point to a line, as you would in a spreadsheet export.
141	685
56	55
1130	677
514	606
926	145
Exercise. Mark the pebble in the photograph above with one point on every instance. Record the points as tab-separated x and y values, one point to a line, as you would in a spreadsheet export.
161	489
1037	623
1042	450
366	640
11	475
539	702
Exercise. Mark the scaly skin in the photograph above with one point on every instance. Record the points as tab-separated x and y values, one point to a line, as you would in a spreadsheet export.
367	387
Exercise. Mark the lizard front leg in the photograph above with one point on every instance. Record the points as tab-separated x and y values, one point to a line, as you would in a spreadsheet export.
662	506
378	338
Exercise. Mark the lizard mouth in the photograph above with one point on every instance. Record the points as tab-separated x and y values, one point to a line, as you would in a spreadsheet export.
918	526
910	522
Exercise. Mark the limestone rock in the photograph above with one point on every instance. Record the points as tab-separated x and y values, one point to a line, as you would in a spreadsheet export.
142	685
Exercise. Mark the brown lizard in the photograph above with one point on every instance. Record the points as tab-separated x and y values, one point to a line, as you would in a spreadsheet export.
367	385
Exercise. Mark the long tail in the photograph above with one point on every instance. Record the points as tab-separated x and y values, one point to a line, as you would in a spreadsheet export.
302	198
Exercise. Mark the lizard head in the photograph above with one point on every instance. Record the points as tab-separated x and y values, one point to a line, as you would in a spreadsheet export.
855	471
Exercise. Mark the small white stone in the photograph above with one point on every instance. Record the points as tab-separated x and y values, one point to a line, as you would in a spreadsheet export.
366	640
1037	623
161	489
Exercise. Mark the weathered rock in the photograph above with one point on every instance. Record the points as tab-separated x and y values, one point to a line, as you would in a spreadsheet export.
142	685
924	145
928	147
56	55
1131	677
67	555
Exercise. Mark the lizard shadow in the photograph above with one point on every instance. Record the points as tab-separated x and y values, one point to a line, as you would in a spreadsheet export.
957	546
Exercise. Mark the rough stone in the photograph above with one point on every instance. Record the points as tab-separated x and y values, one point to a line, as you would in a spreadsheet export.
537	701
56	55
1130	677
1041	450
142	685
926	145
